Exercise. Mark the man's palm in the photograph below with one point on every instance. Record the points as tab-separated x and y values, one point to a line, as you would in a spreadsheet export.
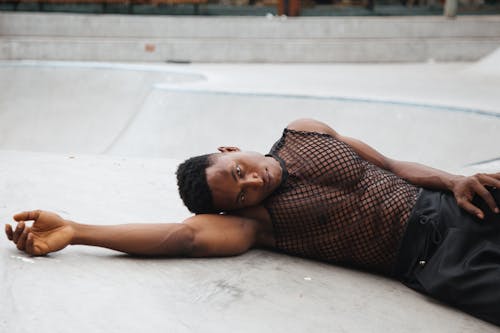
49	232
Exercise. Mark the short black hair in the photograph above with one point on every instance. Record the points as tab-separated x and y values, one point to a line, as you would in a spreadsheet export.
193	185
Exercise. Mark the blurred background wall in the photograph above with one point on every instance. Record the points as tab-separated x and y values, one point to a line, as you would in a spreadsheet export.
267	38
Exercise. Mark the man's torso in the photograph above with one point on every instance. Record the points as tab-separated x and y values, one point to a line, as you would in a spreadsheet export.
334	206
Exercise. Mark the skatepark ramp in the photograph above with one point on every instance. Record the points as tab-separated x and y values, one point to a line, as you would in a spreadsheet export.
158	112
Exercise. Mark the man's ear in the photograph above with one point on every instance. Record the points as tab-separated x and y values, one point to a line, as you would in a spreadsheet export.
228	149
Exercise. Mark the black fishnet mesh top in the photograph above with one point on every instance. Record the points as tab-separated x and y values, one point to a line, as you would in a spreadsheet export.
334	206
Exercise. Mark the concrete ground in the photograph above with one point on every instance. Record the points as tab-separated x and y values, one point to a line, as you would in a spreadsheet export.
99	143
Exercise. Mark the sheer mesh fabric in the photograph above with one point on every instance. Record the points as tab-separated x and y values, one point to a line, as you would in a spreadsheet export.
335	206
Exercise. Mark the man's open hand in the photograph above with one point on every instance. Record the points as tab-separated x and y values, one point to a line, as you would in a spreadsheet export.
465	188
48	233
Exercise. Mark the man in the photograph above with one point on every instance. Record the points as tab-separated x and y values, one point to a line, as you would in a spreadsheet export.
325	196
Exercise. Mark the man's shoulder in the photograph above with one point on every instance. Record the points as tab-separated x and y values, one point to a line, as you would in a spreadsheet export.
311	125
260	216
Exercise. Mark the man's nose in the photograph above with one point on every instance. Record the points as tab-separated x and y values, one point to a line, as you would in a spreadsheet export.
254	180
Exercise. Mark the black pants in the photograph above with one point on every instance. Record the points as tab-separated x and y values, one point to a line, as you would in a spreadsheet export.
453	256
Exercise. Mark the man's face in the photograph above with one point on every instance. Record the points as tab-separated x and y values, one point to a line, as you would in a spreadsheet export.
242	179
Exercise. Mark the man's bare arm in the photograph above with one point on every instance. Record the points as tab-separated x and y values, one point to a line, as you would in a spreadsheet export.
463	188
198	236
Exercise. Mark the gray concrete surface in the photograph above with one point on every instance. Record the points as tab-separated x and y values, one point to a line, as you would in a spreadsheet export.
99	143
246	39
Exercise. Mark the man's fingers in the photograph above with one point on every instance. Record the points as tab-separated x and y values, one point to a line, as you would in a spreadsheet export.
487	197
21	242
492	180
19	230
494	175
28	216
469	207
30	246
9	232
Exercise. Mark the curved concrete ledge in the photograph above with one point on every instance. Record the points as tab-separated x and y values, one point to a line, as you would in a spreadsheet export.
144	111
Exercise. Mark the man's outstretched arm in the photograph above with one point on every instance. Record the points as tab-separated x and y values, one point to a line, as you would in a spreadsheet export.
198	236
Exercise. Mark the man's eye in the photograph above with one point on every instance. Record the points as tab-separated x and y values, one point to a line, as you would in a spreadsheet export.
242	197
238	171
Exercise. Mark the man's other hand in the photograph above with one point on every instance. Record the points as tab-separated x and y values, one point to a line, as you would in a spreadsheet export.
49	232
465	188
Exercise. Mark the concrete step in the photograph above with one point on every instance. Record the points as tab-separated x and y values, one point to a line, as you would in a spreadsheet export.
245	50
22	24
249	39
